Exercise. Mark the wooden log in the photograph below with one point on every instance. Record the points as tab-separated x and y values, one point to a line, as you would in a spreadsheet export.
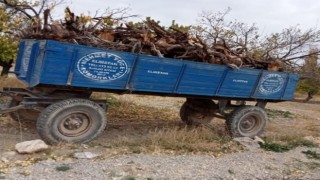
147	38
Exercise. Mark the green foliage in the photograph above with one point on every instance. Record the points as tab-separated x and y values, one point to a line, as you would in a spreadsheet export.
310	71
113	102
275	147
11	20
149	18
63	167
273	113
181	28
129	178
109	21
312	154
8	48
308	86
135	24
302	142
4	18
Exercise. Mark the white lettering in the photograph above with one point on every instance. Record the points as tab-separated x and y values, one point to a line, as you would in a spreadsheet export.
158	72
102	66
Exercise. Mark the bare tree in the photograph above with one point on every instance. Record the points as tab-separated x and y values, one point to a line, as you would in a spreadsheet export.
289	46
212	26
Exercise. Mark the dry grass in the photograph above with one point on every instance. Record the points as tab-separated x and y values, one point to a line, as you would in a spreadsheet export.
136	128
10	82
177	141
8	128
135	125
296	121
293	130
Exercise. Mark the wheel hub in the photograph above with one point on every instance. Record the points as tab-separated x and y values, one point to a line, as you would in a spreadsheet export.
249	124
74	124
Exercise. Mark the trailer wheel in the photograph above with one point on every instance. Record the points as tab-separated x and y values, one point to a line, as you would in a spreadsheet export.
71	120
185	114
246	121
195	111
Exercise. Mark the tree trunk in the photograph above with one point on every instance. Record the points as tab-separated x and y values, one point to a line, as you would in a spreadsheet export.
5	67
310	96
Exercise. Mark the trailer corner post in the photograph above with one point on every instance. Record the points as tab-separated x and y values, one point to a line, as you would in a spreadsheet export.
261	104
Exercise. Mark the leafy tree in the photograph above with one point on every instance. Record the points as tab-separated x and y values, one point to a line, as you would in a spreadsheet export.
8	49
15	15
310	72
8	45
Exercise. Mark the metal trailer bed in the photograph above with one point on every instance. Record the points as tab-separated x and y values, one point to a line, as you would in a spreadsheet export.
61	77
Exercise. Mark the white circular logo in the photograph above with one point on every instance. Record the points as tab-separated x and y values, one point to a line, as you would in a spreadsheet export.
102	66
271	83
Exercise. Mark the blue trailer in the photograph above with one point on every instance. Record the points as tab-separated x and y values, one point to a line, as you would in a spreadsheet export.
61	76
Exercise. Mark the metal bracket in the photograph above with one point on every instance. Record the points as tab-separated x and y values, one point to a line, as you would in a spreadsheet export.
261	104
19	91
222	105
12	109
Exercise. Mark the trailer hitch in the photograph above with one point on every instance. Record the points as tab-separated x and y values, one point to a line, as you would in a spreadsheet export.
4	109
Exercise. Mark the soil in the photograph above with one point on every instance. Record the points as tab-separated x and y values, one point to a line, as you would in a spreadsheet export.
115	163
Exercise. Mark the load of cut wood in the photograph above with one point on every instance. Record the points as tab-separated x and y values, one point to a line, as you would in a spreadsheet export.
145	38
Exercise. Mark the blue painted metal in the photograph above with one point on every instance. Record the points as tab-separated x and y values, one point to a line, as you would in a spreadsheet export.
72	65
183	67
47	62
128	86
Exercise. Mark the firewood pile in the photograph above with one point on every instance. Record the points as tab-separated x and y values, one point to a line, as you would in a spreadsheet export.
146	38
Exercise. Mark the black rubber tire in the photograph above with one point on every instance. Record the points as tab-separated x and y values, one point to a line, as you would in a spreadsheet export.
185	114
194	111
22	114
246	121
53	121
